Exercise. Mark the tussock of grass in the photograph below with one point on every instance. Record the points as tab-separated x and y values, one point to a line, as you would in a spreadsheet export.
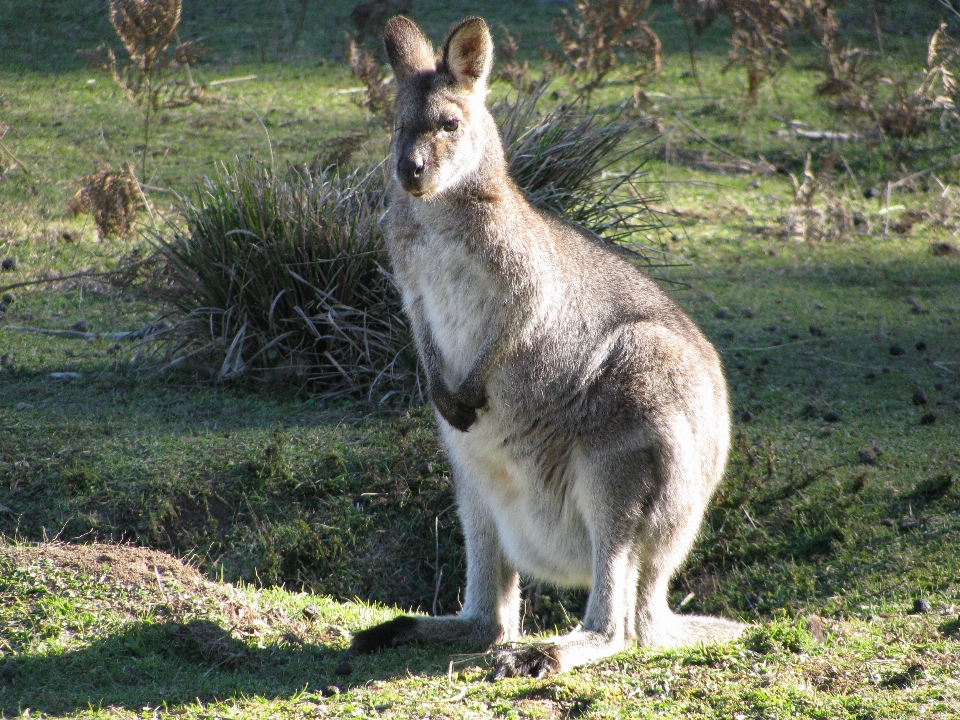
288	272
577	162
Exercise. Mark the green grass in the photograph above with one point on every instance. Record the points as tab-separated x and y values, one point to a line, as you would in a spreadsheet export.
85	644
269	487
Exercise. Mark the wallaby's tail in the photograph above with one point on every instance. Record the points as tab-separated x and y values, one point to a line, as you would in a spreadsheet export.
683	630
704	628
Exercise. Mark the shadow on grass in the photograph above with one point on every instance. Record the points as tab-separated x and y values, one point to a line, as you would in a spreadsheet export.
163	665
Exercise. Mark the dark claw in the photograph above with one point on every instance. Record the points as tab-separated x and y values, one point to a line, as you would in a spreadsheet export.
528	661
385	635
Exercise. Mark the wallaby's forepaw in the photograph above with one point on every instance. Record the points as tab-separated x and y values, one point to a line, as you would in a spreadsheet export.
394	632
526	661
455	412
471	394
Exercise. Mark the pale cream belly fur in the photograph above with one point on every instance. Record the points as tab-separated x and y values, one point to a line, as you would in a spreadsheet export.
543	535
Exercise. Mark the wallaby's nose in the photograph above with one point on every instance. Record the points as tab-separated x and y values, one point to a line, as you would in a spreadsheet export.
410	172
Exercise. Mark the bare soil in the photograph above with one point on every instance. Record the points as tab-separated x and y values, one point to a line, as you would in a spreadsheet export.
123	564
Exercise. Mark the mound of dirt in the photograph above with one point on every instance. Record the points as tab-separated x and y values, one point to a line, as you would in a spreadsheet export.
124	564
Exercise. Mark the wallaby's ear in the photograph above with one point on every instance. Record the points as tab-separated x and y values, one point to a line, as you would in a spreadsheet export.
468	53
408	49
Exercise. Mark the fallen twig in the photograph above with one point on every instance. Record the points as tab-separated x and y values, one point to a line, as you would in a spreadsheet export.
818	134
796	127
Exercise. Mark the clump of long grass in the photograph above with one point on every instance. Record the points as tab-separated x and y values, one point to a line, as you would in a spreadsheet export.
577	162
287	271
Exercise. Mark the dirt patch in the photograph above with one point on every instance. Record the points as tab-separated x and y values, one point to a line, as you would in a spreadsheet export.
124	564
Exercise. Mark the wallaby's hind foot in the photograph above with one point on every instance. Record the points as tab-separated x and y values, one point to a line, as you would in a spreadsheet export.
534	660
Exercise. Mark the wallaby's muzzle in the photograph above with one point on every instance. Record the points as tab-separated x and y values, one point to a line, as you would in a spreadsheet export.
410	172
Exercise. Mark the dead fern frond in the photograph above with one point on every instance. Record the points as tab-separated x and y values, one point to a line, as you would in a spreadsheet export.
370	18
147	28
940	85
113	198
338	152
760	39
602	34
378	91
510	69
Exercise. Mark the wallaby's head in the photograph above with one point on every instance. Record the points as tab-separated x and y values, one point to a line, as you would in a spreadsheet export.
442	127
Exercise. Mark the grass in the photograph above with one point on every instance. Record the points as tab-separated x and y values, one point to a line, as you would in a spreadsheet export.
285	502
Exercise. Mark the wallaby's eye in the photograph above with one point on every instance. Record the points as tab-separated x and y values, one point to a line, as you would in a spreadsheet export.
450	125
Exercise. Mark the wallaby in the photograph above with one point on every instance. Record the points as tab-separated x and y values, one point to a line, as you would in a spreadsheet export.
585	416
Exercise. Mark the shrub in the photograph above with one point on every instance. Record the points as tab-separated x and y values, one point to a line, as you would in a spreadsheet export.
288	271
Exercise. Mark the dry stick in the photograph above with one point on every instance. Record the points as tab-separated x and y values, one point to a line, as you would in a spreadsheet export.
876	25
82	335
921	173
27	283
15	158
160	585
753	165
852	176
693	59
232	80
886	221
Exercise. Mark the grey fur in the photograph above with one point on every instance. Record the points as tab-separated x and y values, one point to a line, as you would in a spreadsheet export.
585	416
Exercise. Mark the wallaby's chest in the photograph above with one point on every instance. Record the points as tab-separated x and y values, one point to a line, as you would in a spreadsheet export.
459	295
